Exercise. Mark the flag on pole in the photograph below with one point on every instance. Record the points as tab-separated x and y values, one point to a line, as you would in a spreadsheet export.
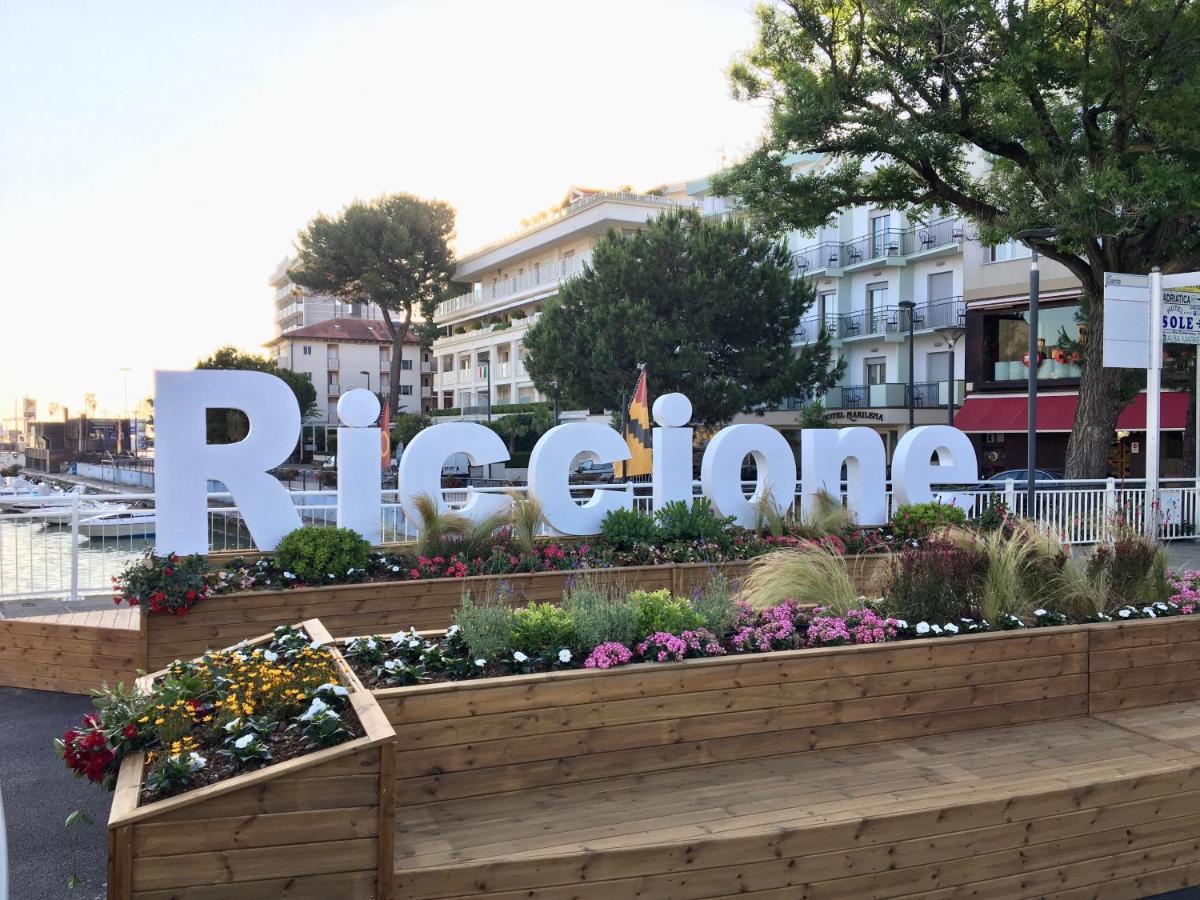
637	431
385	439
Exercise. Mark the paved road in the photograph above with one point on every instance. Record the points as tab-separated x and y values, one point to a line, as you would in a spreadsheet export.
39	794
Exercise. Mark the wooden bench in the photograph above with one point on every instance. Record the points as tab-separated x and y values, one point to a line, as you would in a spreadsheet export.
921	769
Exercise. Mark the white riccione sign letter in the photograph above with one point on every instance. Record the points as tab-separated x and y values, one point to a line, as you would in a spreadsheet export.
822	452
671	448
721	471
426	454
550	471
360	485
184	460
914	473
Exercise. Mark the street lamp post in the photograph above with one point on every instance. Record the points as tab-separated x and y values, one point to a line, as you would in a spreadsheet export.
952	334
125	411
908	306
554	388
1029	235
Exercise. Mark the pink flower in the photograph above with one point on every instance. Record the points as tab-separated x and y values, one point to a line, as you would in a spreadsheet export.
607	655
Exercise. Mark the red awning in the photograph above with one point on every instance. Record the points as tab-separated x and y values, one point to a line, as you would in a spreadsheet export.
1056	412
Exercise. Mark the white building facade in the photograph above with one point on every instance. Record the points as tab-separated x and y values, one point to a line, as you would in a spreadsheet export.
339	354
866	266
510	280
296	307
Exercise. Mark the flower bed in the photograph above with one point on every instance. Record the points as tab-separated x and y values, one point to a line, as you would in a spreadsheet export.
270	775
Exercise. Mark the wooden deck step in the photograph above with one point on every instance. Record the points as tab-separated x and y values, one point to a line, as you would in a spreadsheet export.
1058	802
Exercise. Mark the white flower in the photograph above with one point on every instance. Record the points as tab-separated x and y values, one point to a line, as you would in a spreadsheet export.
1039	612
398	638
414	643
336	689
270	655
564	655
1161	605
233	725
520	657
452	631
316	645
390	665
481	663
899	623
244	741
922	628
951	627
1149	610
936	629
195	762
1124	613
395	568
350	571
288	575
371	644
331	575
318	707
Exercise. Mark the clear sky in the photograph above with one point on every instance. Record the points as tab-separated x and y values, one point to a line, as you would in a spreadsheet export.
158	158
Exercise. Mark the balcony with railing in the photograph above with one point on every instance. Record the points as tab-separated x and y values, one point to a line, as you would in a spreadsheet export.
511	287
893	395
886	320
886	243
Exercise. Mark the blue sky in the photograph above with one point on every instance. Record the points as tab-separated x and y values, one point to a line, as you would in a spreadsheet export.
157	159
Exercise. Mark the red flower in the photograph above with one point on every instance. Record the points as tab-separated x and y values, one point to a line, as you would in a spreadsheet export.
130	731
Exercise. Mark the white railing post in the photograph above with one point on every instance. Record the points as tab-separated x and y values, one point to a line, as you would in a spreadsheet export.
1110	506
74	546
1010	495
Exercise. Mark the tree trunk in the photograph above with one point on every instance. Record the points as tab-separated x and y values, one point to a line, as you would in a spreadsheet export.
1189	432
1100	402
398	332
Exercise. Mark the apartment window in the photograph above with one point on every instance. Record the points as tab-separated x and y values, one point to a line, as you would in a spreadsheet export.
880	236
537	272
937	366
306	350
876	370
1010	249
877	298
406	365
567	258
826	303
406	390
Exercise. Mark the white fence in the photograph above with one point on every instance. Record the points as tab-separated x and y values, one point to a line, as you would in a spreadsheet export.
62	551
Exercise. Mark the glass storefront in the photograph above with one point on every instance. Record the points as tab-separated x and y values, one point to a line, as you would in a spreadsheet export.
1005	343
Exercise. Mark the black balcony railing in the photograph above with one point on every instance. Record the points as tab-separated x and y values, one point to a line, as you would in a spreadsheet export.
856	397
885	320
878	245
925	394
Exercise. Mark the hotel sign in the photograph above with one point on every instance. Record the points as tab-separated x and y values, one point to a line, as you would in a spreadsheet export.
925	459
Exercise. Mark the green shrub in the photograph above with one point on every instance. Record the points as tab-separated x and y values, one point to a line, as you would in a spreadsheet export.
659	611
486	628
918	520
625	529
314	552
600	613
937	582
542	628
1132	563
994	517
716	604
677	521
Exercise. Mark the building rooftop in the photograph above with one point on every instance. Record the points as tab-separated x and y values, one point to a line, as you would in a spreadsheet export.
348	330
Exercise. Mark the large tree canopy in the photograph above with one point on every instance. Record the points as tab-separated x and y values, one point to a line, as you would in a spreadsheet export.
1069	114
393	252
708	305
228	425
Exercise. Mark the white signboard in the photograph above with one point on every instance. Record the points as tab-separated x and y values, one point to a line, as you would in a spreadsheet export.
1126	321
1181	317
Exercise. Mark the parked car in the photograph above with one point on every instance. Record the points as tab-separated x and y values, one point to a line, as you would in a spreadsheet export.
1019	477
591	472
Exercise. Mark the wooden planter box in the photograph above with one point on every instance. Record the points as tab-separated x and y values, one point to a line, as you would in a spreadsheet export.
320	825
430	604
